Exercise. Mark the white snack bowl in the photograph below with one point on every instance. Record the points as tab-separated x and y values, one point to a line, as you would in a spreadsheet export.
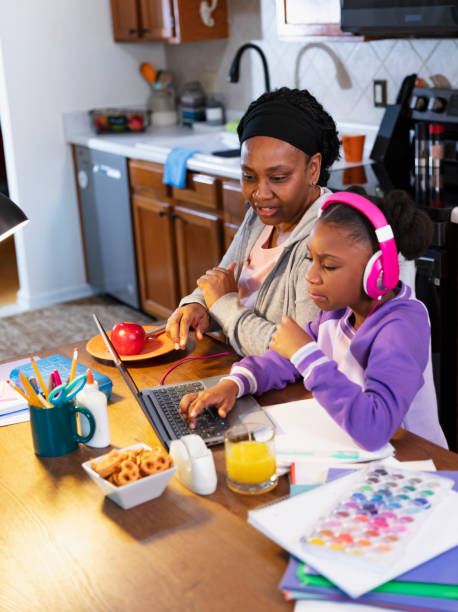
135	493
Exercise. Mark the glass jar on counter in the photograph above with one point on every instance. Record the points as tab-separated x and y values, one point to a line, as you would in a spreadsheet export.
162	103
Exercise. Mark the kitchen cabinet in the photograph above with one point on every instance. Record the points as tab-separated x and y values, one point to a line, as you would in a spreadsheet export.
178	233
234	209
156	259
199	245
171	21
300	19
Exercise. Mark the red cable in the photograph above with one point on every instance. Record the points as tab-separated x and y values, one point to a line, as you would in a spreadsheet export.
161	382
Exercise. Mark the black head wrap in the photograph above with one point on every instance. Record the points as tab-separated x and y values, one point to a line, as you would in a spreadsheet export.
278	119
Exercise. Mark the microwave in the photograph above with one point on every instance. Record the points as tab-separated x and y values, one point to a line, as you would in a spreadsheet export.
417	18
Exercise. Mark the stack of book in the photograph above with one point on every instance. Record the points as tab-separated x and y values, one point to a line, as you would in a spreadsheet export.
422	577
13	407
430	586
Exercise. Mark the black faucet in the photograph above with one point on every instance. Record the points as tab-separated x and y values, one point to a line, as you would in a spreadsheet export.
234	71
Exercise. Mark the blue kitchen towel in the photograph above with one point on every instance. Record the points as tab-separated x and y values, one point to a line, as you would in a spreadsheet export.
175	166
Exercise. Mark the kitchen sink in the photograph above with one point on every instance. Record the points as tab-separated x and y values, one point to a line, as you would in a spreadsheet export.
206	144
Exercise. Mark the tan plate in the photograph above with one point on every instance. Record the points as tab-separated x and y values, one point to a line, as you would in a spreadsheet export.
154	346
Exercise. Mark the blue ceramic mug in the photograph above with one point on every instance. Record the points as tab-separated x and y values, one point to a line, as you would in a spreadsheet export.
54	430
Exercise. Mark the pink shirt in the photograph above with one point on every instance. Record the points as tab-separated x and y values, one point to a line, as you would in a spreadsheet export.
258	265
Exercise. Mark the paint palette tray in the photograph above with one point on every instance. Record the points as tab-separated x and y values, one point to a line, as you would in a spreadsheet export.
380	514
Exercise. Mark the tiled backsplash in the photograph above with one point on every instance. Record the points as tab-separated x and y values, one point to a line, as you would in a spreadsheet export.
255	21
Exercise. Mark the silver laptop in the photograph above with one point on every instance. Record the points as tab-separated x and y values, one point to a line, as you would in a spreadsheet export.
160	405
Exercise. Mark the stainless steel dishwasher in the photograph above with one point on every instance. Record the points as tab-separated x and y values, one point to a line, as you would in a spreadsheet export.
107	223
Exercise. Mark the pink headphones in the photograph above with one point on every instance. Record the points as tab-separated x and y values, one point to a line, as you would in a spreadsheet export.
382	270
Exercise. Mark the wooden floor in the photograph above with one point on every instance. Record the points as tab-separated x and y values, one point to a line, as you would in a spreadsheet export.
9	281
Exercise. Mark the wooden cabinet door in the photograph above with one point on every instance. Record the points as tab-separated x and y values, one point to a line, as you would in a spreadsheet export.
156	19
156	261
125	18
198	242
196	20
234	202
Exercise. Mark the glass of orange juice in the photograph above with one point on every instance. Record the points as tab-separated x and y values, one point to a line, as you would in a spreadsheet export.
250	458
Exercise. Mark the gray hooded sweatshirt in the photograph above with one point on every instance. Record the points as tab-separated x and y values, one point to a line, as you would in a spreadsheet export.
284	290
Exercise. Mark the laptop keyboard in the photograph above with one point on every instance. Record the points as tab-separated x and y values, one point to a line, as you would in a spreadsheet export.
208	424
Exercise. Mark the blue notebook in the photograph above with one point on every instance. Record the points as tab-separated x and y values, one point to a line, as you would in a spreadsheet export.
442	570
63	365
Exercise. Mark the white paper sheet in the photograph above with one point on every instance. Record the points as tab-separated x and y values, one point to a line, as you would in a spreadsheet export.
304	430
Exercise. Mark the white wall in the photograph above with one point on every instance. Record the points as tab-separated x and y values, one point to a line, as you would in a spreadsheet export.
57	57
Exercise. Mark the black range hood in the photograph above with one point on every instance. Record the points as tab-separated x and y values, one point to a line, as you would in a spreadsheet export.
417	18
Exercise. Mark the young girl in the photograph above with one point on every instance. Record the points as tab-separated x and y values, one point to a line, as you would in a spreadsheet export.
366	357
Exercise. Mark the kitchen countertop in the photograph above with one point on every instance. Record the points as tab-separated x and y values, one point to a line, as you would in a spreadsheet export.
156	143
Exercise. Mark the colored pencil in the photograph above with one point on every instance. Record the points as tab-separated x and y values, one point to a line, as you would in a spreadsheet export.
39	377
44	402
33	397
20	391
50	386
74	361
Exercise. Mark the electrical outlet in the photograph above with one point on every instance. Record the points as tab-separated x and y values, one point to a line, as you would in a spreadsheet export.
379	92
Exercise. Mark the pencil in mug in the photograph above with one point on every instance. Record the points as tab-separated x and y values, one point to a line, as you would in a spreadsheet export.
39	377
20	391
73	368
33	397
43	401
50	385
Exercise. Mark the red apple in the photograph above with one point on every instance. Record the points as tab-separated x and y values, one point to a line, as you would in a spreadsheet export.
128	338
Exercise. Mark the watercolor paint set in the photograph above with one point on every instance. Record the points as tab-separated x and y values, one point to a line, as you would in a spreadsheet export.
379	515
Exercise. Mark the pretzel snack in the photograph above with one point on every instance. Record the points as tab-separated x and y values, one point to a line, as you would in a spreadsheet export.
124	467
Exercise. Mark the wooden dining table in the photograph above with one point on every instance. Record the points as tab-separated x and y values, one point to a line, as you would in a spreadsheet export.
64	547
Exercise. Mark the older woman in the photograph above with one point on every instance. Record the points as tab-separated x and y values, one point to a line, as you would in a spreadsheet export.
288	142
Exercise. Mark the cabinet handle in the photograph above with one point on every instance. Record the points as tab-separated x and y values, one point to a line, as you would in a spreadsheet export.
143	30
162	213
132	31
174	216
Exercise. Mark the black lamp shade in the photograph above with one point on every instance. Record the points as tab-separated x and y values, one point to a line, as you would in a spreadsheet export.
11	217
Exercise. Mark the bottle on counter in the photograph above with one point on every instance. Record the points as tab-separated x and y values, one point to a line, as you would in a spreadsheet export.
436	156
421	145
436	144
421	164
94	400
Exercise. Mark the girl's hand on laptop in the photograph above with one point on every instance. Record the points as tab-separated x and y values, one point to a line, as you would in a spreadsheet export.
192	315
217	282
288	338
222	396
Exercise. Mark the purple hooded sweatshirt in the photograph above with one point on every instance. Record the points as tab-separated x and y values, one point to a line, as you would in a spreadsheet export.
371	380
